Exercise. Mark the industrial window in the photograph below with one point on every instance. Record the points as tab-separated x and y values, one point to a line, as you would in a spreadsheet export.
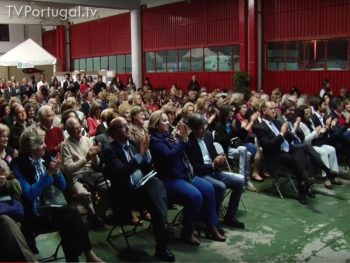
89	65
236	57
4	32
82	64
104	63
196	59
112	63
337	54
128	63
211	59
224	58
150	61
172	61
160	61
97	63
121	64
294	55
76	64
325	54
315	55
184	60
275	56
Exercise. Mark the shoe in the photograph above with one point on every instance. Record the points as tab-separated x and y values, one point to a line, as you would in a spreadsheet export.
302	199
214	234
328	184
145	215
191	240
310	192
165	254
172	206
234	223
256	177
95	223
34	249
221	230
336	182
251	187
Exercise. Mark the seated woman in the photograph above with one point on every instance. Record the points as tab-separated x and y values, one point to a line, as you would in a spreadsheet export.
34	177
13	244
230	139
173	167
310	133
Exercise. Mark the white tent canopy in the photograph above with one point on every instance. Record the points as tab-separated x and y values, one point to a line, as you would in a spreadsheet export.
27	55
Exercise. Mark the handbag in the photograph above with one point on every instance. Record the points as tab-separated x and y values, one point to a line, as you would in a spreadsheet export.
52	197
188	168
12	208
236	142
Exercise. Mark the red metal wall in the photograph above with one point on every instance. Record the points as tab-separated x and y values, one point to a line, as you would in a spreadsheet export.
185	25
48	40
101	37
301	20
54	41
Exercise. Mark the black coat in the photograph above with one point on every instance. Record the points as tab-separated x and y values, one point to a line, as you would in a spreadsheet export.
196	157
118	170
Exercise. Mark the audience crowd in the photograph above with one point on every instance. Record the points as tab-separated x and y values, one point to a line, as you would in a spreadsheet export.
96	144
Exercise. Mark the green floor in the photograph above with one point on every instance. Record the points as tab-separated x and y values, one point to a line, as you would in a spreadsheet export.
278	230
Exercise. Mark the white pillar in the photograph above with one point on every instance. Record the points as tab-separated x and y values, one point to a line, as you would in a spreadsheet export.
136	55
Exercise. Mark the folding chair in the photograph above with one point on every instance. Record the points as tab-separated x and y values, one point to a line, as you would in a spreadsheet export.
54	256
220	150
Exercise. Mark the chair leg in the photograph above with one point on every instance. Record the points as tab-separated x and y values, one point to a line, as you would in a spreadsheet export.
278	188
53	257
126	235
293	184
245	208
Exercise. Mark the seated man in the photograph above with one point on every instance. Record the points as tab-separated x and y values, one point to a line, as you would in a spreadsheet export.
206	163
80	157
281	149
125	163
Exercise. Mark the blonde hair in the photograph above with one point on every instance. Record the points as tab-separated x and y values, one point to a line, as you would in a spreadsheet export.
124	107
154	120
4	129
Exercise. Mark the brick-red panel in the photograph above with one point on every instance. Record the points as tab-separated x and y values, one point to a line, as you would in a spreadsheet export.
183	24
212	80
48	38
308	81
295	19
101	37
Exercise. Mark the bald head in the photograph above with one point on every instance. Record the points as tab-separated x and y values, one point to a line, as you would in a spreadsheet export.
74	128
119	130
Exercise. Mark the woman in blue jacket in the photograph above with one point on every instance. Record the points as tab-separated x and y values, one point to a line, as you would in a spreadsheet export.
34	178
173	167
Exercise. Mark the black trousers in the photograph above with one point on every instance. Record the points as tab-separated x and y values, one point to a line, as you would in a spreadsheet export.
13	244
151	197
68	222
304	153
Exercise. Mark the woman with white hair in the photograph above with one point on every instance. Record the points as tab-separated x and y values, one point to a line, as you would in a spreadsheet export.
36	176
53	135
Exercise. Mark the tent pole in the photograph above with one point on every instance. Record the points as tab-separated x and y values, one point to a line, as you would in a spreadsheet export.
54	69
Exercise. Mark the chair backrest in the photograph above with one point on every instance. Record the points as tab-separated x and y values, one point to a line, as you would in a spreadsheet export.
218	147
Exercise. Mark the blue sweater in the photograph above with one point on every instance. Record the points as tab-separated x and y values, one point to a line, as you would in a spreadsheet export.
167	157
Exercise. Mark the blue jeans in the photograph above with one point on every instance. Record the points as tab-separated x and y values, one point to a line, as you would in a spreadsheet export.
223	180
244	159
199	194
252	148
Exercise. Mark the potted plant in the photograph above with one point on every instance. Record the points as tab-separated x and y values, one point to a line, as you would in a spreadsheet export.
241	83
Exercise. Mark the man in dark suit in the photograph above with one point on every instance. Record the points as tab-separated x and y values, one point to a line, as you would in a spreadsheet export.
125	164
206	163
275	141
